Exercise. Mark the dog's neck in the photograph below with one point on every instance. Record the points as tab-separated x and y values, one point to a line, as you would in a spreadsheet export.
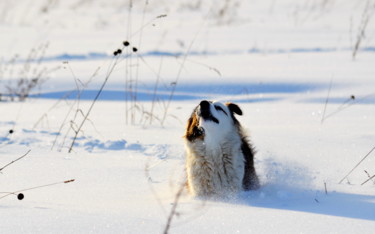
216	143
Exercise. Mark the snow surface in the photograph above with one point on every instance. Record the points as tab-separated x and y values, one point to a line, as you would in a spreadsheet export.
308	105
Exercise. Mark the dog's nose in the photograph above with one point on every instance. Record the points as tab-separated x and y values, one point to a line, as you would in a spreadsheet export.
204	105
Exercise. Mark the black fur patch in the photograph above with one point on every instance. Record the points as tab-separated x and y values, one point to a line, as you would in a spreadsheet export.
205	112
250	180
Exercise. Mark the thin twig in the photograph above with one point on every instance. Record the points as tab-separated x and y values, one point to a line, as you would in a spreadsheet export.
149	179
178	76
15	160
136	81
155	90
348	104
174	209
217	71
368	175
357	165
150	22
92	105
76	101
40	186
372	177
325	105
362	28
325	188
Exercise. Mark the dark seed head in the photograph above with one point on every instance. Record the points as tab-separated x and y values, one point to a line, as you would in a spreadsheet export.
115	53
135	49
352	97
20	196
11	131
126	43
119	51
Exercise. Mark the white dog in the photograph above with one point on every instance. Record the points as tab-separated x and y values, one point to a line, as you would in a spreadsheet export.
219	159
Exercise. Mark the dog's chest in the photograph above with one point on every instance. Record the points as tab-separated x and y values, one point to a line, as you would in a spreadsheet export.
222	163
223	157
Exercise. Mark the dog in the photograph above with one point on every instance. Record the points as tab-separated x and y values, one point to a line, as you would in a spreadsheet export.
219	157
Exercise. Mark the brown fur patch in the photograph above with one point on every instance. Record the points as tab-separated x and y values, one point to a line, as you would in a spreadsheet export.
192	130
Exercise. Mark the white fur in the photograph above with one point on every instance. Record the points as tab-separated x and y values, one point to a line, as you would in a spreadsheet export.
215	166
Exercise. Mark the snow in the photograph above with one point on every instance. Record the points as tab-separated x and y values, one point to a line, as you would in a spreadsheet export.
308	106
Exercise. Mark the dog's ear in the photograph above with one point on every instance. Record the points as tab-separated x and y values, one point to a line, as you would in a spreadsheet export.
234	108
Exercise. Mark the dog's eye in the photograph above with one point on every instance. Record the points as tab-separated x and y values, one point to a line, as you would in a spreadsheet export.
218	108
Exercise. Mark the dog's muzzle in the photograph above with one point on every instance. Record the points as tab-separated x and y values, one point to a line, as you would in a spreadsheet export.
204	111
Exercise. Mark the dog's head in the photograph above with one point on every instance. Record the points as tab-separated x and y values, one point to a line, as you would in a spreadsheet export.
212	118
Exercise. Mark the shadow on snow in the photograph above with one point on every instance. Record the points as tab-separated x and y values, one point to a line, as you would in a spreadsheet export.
157	53
190	92
289	186
355	206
